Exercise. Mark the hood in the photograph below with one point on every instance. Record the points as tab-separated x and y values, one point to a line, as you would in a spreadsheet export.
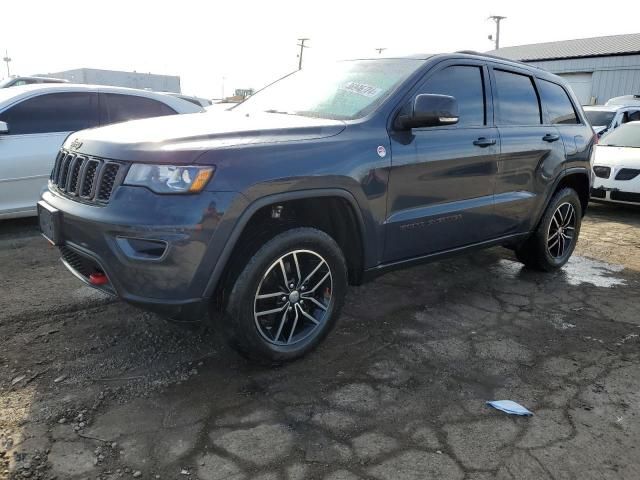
182	139
617	156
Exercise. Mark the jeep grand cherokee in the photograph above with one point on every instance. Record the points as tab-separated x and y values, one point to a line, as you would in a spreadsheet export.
328	177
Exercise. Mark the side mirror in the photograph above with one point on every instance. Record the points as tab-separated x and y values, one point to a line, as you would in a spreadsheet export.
4	127
430	110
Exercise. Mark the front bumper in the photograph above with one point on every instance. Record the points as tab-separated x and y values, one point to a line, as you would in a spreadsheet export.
156	251
615	190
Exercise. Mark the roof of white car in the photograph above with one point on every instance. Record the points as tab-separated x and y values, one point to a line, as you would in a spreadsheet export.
9	96
608	108
601	108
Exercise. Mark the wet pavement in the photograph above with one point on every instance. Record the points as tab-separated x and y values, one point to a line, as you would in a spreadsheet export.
93	388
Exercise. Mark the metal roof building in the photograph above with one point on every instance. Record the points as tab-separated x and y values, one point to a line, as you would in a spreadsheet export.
596	68
115	78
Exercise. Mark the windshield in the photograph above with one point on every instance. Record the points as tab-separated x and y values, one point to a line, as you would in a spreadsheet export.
341	91
627	135
599	118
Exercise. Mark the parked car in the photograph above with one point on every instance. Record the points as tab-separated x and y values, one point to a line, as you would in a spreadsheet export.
35	120
626	100
266	212
19	81
605	118
616	164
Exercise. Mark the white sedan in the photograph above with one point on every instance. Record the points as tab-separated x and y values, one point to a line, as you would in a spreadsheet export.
36	119
616	165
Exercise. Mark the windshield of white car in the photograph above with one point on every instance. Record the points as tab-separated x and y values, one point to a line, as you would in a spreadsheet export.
627	135
339	91
599	118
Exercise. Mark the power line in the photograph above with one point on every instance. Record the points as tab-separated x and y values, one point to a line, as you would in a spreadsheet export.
302	47
497	19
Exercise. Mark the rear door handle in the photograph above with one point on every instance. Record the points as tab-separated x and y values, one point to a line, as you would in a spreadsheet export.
551	137
484	142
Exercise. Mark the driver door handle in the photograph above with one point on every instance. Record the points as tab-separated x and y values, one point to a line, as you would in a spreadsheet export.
484	142
551	137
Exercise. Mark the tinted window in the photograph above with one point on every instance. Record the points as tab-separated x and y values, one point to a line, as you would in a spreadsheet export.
53	112
557	102
466	85
599	118
631	116
517	99
120	108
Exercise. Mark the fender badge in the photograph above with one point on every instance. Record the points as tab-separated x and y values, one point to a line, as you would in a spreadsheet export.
76	144
382	152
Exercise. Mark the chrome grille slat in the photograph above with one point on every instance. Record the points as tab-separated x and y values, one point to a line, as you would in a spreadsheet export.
75	175
64	172
91	179
88	178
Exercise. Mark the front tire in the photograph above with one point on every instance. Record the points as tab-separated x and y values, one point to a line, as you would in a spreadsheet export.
554	240
288	296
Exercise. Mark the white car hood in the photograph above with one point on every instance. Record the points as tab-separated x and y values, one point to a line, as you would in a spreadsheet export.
617	156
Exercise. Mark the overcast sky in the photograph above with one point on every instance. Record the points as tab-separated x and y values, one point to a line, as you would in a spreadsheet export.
253	42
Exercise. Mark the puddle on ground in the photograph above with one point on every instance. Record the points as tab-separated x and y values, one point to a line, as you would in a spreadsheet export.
586	270
577	271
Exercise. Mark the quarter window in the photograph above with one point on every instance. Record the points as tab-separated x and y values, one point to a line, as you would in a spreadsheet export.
121	108
466	84
558	104
52	112
517	99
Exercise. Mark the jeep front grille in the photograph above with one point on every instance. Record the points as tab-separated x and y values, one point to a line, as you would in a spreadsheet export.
91	179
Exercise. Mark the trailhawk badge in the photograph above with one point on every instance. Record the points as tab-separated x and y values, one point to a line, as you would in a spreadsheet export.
382	152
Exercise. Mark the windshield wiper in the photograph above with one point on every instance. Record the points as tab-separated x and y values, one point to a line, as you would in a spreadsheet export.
273	110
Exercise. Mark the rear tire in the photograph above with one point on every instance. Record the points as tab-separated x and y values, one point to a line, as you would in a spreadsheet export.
288	296
554	240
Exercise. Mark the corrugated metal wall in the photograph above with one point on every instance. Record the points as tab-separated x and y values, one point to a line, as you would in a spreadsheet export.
611	76
159	83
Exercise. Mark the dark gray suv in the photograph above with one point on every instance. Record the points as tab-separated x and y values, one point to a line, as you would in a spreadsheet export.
328	177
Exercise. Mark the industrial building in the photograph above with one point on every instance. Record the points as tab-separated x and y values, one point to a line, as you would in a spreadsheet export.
597	68
115	78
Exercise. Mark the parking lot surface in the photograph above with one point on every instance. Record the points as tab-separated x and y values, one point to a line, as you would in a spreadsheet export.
93	388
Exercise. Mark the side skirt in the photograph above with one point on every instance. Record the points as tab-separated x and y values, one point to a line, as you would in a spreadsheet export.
383	268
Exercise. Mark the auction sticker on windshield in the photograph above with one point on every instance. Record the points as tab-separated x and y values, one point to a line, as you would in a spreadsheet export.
361	89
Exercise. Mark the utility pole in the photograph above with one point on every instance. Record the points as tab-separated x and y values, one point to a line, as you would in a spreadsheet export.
6	59
223	79
302	47
497	19
380	50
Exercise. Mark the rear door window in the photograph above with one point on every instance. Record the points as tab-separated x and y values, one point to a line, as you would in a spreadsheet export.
52	112
518	102
466	84
558	104
121	108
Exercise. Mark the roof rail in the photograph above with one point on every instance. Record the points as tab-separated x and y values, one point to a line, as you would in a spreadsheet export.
489	55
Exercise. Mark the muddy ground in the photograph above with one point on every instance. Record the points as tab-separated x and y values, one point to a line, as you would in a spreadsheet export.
93	388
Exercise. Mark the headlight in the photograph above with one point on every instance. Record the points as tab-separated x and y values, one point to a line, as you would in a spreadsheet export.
169	178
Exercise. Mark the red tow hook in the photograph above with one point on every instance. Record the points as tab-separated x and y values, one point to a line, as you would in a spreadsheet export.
98	278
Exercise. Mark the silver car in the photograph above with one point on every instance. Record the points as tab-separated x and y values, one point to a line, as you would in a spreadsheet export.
36	119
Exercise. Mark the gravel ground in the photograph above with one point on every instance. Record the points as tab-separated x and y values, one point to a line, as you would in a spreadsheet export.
93	388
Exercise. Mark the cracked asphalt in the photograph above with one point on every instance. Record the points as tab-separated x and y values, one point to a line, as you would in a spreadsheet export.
93	388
